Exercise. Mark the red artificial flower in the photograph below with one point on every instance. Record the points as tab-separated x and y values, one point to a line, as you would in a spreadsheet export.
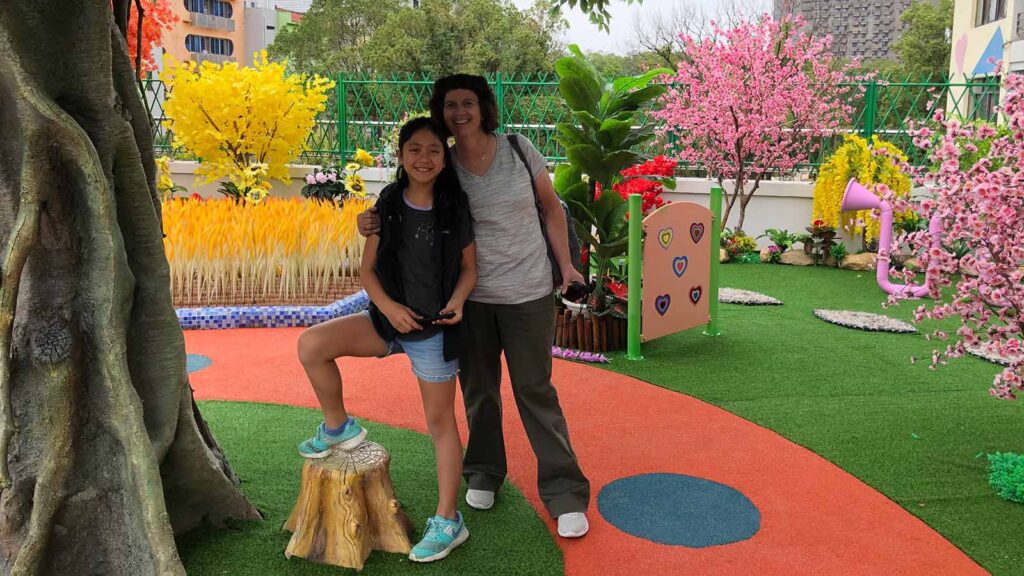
650	190
619	289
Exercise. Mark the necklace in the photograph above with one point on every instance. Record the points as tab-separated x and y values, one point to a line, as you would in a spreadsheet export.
486	147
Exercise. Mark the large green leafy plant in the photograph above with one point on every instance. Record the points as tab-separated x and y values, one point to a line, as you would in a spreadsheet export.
602	139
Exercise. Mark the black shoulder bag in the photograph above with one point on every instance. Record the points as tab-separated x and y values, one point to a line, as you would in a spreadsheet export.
574	241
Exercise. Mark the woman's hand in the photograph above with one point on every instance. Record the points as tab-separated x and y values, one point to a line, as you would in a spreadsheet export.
454	307
402	318
570	275
368	223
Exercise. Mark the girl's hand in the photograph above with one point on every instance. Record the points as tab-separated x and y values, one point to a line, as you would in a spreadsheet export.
454	307
402	318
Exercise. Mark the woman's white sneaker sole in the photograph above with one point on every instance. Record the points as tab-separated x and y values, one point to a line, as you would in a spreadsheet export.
576	525
480	499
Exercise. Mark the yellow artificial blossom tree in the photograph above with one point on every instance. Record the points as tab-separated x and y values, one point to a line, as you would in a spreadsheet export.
878	163
244	123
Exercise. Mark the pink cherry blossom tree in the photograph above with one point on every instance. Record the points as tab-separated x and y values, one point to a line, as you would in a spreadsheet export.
982	206
754	100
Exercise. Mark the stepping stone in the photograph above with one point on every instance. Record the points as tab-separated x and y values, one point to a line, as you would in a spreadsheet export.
865	321
980	351
746	297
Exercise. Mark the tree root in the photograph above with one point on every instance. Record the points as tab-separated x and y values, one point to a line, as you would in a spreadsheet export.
51	483
19	244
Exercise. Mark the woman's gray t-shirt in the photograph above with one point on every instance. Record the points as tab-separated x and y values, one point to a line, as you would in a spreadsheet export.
511	256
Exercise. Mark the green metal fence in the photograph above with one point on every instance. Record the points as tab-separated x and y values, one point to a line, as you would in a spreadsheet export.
369	108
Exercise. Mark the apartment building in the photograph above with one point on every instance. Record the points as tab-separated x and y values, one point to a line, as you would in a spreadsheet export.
985	32
863	29
208	30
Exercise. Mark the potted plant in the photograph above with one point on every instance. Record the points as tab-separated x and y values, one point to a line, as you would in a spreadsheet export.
602	139
819	240
782	240
336	185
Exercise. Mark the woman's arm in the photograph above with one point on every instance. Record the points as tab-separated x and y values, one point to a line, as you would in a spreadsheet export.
558	234
465	285
401	317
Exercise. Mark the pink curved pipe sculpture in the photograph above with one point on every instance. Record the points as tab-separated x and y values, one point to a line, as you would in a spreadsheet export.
857	197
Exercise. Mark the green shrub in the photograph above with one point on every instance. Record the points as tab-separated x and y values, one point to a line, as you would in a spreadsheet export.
1006	475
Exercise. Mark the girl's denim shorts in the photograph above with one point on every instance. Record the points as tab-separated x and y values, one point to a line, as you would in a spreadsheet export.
427	357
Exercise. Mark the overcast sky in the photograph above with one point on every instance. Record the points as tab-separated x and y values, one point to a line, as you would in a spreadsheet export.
580	30
620	40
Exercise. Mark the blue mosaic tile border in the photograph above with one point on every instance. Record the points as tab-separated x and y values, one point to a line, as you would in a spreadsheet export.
269	316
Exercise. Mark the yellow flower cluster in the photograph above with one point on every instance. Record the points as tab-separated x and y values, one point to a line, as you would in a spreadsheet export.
855	159
234	117
363	157
165	186
253	252
252	183
353	181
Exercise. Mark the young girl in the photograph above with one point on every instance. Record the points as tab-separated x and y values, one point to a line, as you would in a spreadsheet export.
418	271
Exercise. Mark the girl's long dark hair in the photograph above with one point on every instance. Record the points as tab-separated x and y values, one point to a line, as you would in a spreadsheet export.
450	200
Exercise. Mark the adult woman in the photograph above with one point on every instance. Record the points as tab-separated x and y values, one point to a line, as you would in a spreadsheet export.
511	308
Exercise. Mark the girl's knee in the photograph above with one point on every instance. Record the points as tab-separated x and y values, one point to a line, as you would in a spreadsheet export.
310	348
441	423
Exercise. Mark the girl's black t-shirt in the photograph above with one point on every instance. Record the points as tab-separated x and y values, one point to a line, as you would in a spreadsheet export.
418	262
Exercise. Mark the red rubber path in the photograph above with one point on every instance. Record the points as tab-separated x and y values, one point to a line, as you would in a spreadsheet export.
815	518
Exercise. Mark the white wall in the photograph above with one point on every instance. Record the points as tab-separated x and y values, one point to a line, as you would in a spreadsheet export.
776	204
183	174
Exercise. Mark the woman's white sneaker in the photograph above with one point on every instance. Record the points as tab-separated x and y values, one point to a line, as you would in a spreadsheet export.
480	499
573	525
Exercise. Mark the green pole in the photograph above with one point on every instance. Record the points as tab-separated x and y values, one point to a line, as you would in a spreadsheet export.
634	270
342	121
870	104
499	95
716	219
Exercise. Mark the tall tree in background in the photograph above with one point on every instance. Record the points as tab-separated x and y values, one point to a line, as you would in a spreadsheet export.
330	37
662	32
472	36
596	9
925	44
104	456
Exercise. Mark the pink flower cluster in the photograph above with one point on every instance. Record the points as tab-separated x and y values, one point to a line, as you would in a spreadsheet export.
754	100
570	354
319	177
983	208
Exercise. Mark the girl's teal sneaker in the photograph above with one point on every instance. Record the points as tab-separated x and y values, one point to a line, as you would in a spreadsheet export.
322	443
441	536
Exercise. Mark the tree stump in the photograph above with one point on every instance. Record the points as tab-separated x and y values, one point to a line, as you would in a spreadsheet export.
347	508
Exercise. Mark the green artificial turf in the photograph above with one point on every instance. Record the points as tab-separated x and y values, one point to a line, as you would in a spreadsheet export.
918	436
261	439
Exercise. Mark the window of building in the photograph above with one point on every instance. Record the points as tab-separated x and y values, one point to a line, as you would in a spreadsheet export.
211	7
990	11
984	98
209	45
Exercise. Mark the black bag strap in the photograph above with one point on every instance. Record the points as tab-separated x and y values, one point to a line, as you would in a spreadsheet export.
513	141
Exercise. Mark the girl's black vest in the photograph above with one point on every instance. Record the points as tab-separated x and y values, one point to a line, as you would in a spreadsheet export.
447	252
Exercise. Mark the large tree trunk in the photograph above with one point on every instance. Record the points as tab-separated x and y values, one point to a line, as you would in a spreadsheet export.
103	455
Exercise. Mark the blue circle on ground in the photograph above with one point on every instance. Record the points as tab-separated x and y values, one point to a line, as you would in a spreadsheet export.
679	510
196	362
